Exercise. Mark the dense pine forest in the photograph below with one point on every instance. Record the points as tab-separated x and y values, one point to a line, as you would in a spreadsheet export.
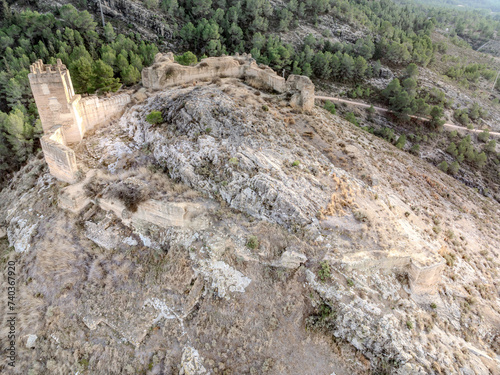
397	35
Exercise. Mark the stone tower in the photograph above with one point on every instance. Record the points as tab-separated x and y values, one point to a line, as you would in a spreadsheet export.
56	100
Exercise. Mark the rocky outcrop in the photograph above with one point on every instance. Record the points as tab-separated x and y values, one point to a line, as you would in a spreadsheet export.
150	22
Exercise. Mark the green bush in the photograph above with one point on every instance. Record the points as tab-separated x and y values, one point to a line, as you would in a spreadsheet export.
401	142
324	271
351	117
187	58
443	166
484	136
155	117
252	242
491	146
330	107
453	168
415	149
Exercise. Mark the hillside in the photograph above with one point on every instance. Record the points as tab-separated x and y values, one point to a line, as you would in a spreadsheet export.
357	50
250	187
242	236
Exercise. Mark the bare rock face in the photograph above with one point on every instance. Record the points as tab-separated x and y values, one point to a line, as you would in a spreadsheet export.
140	95
30	341
135	12
304	92
222	151
292	259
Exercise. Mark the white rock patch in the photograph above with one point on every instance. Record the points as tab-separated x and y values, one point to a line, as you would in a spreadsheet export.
224	278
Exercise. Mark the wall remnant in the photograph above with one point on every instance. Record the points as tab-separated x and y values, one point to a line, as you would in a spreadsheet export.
59	157
165	72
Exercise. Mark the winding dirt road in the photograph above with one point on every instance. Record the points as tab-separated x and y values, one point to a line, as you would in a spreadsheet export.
385	110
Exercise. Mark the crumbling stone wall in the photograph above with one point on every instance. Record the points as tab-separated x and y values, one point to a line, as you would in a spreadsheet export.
423	268
59	157
165	72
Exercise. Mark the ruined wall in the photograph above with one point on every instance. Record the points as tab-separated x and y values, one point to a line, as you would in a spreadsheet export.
264	78
424	268
59	157
165	72
163	214
424	278
302	90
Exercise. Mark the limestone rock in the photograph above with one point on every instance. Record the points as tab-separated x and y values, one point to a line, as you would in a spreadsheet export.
192	363
140	95
30	341
292	259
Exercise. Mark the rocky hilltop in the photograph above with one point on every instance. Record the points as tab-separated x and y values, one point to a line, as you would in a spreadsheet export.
240	235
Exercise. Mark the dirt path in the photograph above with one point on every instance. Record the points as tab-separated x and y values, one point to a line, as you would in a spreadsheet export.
385	110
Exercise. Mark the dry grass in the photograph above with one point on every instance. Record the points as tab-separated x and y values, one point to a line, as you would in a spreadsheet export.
341	199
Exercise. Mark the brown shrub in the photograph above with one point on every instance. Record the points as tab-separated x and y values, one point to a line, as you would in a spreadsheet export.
131	196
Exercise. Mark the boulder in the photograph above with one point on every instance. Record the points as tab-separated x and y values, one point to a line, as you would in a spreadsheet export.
292	259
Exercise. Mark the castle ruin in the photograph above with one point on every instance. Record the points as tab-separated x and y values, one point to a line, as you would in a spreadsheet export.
165	72
66	116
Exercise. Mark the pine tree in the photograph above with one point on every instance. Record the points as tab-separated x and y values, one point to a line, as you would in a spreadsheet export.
82	75
443	166
411	71
130	75
481	159
109	33
103	80
14	92
401	142
453	168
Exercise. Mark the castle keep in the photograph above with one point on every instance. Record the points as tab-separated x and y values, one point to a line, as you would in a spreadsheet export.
66	117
